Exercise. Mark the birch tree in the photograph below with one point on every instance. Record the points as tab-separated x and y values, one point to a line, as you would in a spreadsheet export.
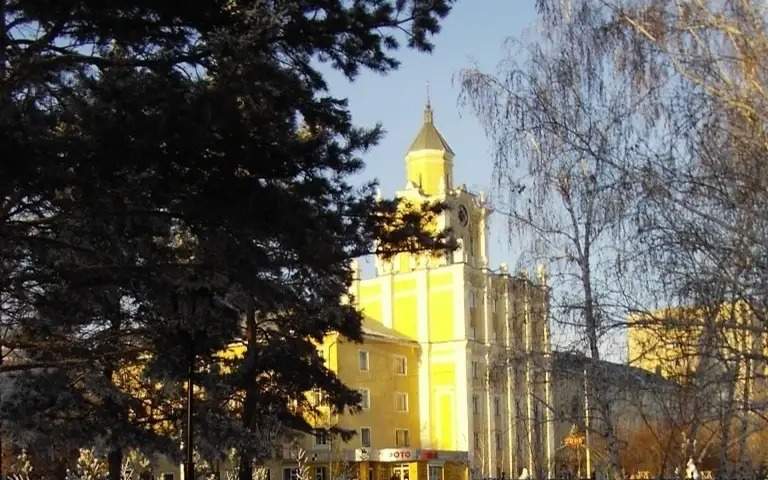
560	132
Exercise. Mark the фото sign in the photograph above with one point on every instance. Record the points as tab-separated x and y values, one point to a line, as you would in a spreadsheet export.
395	454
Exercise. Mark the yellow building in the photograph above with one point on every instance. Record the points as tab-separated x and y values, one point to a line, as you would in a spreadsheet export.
717	354
470	323
680	343
384	369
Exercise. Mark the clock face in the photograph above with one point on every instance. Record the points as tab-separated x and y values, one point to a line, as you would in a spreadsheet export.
463	216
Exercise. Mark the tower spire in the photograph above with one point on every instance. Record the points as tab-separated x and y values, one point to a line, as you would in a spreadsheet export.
428	117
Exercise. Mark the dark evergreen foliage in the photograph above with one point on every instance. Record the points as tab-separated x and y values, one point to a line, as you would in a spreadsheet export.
167	170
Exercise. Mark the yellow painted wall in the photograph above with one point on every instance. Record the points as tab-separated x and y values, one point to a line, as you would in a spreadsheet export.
440	278
428	169
443	376
441	316
383	383
405	317
443	434
369	299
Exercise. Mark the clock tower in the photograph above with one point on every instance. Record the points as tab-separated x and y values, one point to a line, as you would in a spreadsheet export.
429	178
466	319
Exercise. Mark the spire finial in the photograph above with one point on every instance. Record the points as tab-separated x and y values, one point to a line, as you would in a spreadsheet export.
428	108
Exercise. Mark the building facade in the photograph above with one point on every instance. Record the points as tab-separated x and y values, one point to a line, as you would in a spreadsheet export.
384	369
482	333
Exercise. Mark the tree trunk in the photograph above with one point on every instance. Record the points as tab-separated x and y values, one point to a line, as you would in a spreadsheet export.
115	453
746	349
114	463
599	386
245	466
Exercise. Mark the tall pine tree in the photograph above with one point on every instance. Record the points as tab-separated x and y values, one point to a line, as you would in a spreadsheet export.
174	182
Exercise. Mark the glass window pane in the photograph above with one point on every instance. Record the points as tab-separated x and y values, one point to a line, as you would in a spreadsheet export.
363	360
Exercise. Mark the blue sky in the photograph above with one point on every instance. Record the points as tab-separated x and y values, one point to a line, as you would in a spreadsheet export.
473	33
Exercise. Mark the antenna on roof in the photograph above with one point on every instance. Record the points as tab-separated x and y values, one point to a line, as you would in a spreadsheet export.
429	102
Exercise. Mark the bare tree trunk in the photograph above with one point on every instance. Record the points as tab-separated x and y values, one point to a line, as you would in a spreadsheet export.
725	426
114	463
745	350
592	333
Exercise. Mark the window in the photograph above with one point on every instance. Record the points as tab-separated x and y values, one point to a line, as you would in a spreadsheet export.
475	370
320	473
498	441
401	401
362	357
365	436
477	441
167	476
291	473
401	438
401	366
496	406
315	397
365	398
400	471
435	472
475	404
321	438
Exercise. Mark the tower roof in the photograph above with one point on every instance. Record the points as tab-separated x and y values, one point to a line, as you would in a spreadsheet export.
429	137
